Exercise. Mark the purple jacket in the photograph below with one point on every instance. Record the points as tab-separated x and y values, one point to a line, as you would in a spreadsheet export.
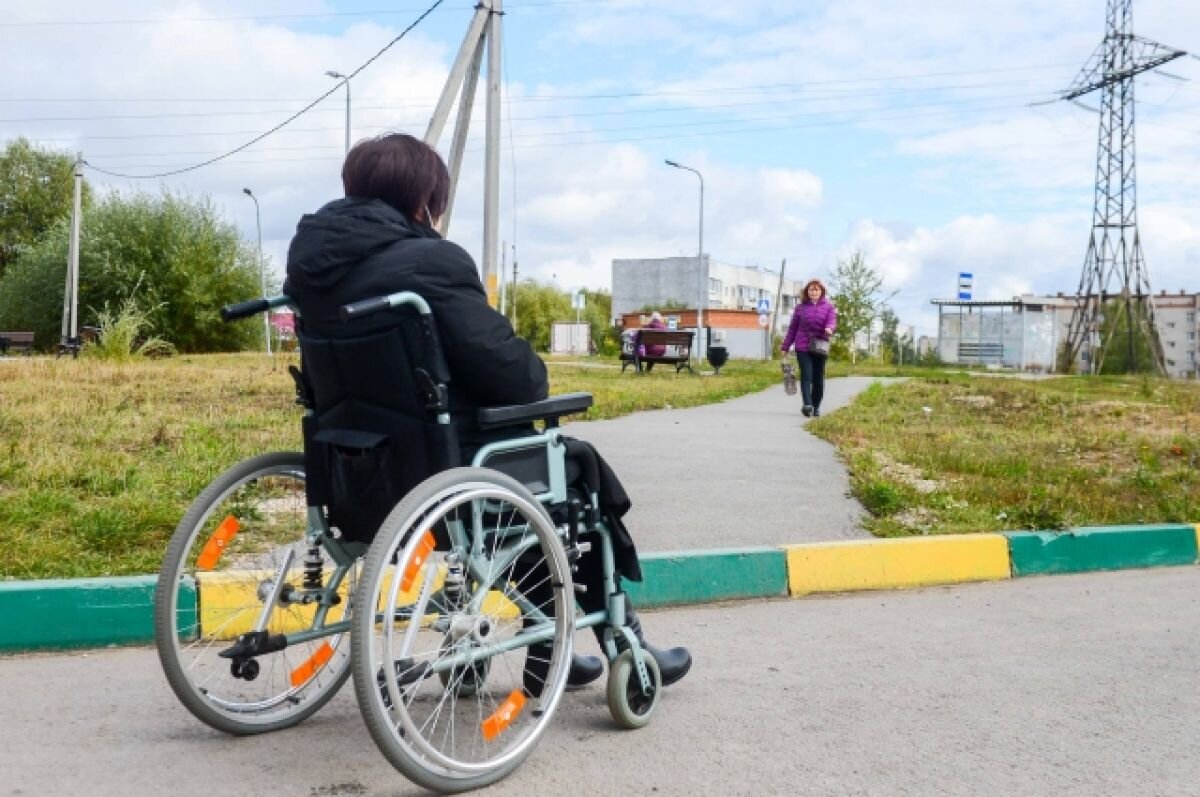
809	321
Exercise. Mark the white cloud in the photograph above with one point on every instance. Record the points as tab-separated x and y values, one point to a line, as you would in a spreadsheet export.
1005	194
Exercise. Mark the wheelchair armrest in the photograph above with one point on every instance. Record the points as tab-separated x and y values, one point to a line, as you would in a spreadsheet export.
549	410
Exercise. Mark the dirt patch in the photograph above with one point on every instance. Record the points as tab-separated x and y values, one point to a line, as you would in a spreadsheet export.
905	474
979	402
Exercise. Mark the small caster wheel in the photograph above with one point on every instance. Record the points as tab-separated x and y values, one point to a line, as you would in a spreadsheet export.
629	707
247	670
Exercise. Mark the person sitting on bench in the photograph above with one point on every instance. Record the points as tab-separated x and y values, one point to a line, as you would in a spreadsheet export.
380	239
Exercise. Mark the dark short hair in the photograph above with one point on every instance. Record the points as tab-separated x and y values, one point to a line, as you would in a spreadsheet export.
809	284
403	171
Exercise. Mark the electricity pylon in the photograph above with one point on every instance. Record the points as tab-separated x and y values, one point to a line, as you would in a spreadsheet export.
1115	250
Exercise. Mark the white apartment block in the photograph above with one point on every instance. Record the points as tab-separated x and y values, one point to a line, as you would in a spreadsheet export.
653	282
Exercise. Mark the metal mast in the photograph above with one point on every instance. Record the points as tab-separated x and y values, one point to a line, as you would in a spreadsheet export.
1114	251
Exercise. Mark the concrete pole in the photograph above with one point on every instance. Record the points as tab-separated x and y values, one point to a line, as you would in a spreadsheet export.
465	53
503	269
462	125
491	197
775	313
76	223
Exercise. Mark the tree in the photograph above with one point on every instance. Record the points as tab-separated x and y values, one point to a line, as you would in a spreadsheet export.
187	260
37	189
855	288
1127	347
889	338
538	307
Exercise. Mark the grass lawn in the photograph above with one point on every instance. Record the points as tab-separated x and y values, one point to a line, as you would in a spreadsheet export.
99	461
959	453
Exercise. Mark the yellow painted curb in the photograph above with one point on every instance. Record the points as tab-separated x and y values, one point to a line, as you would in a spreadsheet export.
1197	525
229	603
889	564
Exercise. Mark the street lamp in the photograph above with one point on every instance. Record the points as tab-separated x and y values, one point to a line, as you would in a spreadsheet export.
346	80
699	261
262	270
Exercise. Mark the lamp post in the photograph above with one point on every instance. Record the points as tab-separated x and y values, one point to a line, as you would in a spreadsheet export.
699	262
346	80
262	271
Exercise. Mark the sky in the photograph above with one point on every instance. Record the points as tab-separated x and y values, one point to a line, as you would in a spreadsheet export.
918	133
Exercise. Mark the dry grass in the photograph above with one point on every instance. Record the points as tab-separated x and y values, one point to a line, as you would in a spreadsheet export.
99	460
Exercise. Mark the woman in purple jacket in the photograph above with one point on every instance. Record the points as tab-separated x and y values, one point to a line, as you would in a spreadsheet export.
814	319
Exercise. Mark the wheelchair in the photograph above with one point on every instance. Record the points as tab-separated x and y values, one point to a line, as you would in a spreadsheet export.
455	616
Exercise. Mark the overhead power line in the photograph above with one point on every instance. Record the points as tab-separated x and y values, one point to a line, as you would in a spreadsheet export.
79	23
404	105
285	122
690	133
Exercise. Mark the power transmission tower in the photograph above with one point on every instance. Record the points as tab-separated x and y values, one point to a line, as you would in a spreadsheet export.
1115	250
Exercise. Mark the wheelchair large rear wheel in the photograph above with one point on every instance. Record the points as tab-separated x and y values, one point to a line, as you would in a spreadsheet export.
459	668
244	533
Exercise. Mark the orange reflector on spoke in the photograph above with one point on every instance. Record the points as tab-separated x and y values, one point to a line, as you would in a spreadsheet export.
494	725
316	661
217	543
420	555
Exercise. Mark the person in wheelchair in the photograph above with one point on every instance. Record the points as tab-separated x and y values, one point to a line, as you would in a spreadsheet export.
380	239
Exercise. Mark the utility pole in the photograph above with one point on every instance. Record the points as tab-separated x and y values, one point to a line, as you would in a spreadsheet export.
485	30
702	299
1115	249
516	289
503	268
70	323
775	313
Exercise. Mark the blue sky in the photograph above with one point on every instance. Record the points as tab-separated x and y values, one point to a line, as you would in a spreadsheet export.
902	129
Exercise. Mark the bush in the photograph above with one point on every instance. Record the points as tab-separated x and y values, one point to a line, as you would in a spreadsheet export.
187	261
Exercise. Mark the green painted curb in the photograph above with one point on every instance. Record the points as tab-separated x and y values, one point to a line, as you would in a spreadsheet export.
1101	548
714	575
78	613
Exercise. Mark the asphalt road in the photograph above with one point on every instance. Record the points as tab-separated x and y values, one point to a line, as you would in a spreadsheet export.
740	473
1077	685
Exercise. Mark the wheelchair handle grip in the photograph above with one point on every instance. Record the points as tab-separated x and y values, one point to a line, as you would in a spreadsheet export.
365	307
373	305
232	312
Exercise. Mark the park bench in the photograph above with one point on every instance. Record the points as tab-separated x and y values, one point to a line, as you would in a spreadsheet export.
16	342
677	353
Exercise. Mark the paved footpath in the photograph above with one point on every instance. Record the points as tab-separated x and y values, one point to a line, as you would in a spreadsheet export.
740	473
1076	685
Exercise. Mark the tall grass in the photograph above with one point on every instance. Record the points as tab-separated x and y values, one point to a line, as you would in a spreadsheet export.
123	335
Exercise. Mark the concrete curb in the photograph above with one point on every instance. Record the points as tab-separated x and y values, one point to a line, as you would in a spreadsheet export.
86	613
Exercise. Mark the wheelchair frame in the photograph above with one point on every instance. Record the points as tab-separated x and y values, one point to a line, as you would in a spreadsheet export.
640	671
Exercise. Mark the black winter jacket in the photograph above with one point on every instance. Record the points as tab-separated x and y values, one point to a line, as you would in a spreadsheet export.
353	249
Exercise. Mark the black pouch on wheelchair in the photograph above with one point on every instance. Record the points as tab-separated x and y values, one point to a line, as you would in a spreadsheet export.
364	481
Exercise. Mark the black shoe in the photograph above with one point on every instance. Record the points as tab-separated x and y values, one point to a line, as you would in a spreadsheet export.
407	673
808	410
673	663
584	670
816	413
